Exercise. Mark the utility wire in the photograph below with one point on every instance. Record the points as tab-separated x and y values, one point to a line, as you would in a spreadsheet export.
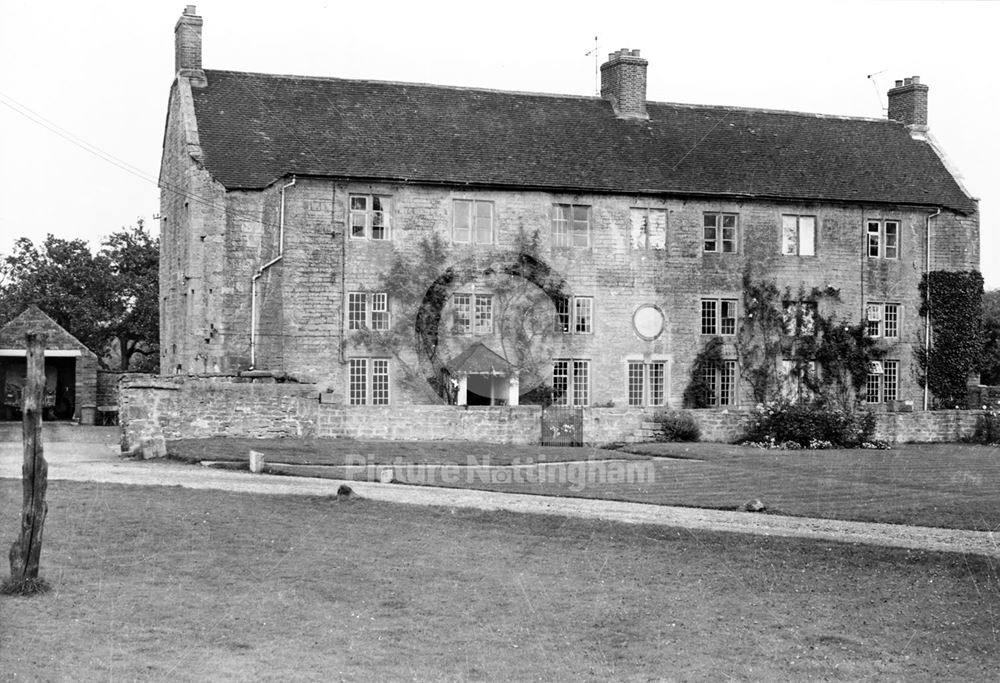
74	139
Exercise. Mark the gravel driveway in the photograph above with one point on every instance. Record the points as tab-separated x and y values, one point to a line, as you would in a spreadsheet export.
100	462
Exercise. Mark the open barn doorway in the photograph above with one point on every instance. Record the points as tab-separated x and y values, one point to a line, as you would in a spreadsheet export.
59	400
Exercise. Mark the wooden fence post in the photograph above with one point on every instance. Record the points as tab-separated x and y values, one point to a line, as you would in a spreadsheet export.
25	551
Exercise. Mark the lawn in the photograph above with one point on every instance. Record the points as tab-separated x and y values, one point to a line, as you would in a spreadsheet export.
176	584
938	485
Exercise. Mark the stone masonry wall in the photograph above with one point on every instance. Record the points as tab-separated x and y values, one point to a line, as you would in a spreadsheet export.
619	276
179	407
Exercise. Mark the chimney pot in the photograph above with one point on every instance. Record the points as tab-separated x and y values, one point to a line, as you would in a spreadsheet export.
623	83
908	102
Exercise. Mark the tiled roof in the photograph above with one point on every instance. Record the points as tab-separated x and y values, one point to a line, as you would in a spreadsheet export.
479	359
257	128
33	319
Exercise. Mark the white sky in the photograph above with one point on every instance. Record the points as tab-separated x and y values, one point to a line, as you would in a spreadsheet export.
101	70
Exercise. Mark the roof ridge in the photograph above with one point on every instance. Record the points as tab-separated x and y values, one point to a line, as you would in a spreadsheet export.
468	88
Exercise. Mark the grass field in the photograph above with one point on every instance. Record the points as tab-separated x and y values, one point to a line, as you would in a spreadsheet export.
938	485
181	585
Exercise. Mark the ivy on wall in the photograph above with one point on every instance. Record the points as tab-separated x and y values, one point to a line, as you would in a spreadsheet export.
954	302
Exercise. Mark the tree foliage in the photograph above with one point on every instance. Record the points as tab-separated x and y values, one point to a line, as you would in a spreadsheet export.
107	300
989	368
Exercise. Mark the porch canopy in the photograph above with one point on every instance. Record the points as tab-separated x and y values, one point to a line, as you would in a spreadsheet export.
484	377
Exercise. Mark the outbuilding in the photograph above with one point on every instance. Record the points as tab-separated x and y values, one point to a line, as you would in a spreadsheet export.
70	370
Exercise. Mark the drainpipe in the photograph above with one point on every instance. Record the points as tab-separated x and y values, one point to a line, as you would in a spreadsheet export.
260	273
927	318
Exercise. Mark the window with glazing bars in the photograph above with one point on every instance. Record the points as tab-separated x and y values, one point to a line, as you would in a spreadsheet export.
369	217
570	225
718	316
368	381
646	383
883	239
720	381
473	221
368	310
720	233
571	382
472	313
882	320
483	321
575	314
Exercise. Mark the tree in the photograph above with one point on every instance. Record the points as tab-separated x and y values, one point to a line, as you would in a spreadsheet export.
134	257
107	300
990	366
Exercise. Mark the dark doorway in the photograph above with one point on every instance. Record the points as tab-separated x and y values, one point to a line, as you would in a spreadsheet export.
59	401
486	390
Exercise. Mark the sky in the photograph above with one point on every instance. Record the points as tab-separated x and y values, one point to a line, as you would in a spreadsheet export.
84	85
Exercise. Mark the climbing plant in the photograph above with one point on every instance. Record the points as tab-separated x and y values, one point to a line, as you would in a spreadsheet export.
828	357
758	338
419	284
954	302
699	391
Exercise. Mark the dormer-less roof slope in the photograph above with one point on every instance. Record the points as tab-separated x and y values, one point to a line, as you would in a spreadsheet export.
256	128
34	319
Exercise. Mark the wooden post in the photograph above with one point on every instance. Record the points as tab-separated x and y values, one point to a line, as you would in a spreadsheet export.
25	551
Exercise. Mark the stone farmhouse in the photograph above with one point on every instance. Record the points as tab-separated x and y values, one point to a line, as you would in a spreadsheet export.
584	247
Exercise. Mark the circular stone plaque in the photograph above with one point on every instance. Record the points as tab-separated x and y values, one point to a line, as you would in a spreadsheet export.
648	321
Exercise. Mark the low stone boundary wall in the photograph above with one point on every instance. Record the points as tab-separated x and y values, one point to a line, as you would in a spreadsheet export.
932	426
176	407
521	424
199	407
938	426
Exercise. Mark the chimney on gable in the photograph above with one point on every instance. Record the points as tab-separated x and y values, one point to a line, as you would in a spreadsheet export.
908	102
623	83
187	44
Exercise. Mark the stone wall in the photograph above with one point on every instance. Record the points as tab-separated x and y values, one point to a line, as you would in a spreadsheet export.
301	319
521	424
941	426
182	407
178	407
199	407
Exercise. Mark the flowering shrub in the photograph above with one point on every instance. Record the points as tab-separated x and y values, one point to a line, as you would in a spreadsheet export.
677	427
988	428
877	444
814	425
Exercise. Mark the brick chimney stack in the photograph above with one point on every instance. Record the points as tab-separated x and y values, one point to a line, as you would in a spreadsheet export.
908	102
187	44
623	84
